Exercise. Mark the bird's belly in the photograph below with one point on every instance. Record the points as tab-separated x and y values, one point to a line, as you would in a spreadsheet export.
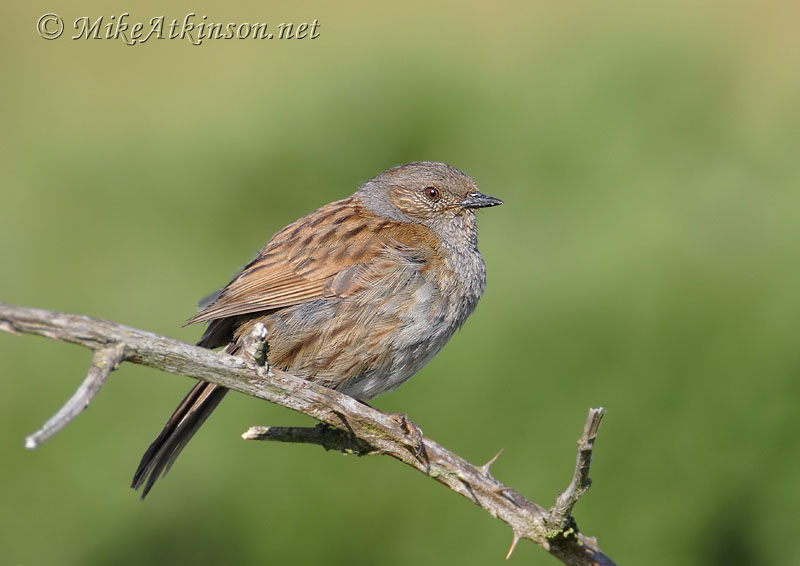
406	360
363	352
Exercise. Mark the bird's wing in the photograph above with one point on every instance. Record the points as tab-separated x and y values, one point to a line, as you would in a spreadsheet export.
324	254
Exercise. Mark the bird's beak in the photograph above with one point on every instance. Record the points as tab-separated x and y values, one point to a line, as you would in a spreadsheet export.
477	199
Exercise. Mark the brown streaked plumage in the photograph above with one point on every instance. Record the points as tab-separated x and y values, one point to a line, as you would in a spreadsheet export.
357	295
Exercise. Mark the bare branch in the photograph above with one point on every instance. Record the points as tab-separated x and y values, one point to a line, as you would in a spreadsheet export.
561	511
370	429
326	436
104	362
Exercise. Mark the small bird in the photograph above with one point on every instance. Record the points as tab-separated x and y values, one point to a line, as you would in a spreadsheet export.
356	296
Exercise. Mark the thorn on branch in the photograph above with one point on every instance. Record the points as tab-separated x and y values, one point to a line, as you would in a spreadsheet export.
6	326
104	362
486	468
513	544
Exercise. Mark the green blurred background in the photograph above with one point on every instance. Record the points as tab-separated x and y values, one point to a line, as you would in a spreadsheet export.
646	260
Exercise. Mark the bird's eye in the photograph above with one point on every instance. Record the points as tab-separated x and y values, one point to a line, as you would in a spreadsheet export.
432	193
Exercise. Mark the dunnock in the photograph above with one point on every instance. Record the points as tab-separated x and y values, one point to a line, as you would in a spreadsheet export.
357	296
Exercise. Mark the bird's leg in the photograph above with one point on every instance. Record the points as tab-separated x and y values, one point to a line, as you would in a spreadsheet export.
416	434
255	347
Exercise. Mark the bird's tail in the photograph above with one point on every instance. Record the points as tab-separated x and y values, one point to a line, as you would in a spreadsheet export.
181	426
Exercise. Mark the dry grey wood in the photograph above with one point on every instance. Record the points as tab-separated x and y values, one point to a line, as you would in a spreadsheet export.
559	517
324	435
104	361
380	432
562	510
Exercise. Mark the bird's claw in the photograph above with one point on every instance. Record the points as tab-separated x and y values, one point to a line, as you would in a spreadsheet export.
416	434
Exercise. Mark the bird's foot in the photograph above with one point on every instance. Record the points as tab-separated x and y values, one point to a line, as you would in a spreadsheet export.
417	437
